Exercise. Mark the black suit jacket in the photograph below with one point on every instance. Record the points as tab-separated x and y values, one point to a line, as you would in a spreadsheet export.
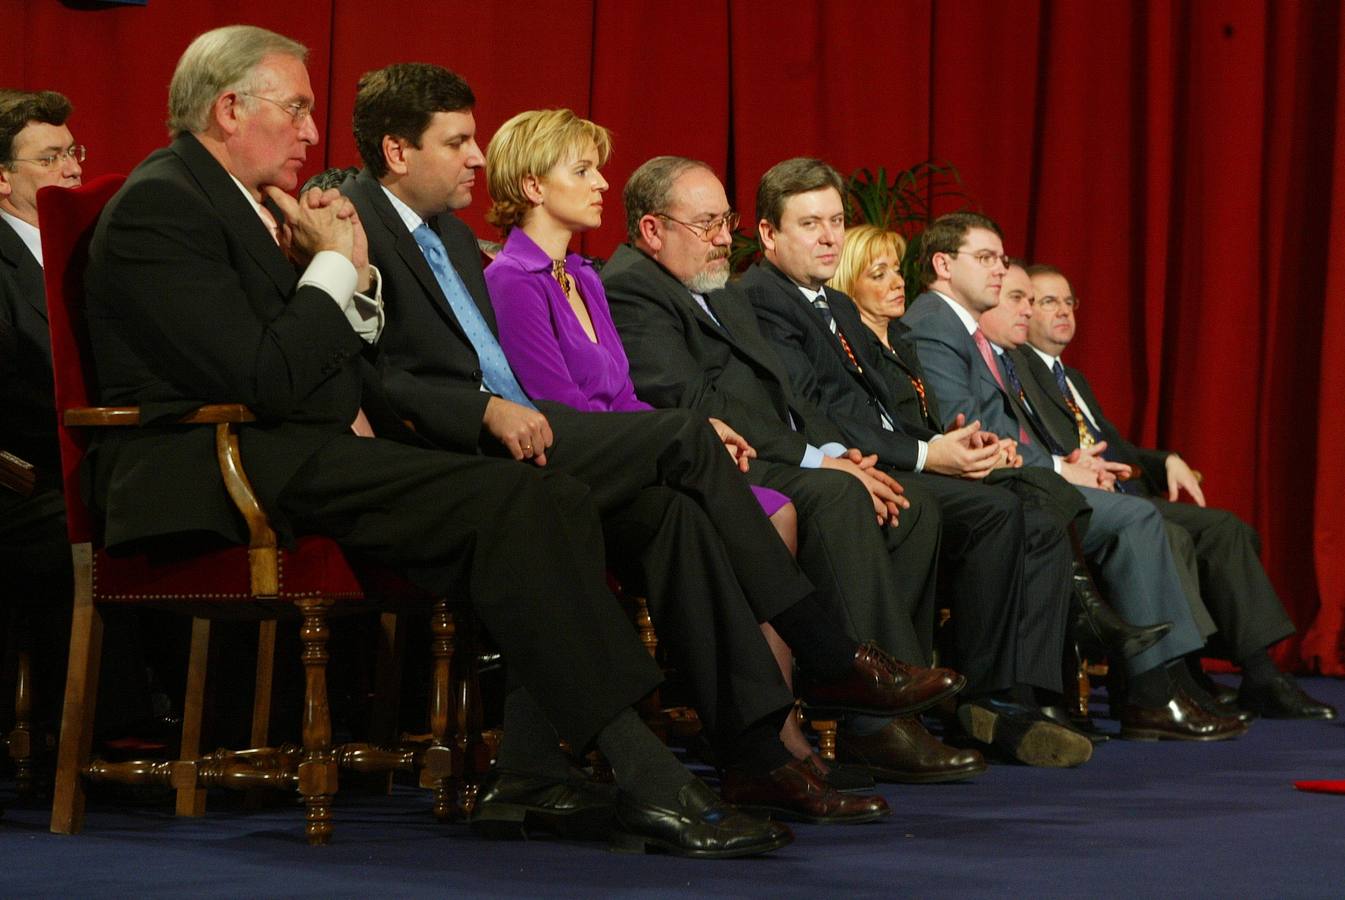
190	301
898	368
1043	392
821	372
430	369
680	356
27	405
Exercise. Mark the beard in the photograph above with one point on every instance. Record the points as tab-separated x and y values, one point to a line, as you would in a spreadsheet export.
707	280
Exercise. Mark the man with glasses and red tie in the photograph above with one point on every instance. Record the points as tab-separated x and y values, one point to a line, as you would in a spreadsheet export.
1233	584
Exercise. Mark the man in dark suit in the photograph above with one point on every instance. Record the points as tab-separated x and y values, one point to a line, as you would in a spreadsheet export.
36	150
968	280
192	299
1007	566
1233	583
669	494
691	345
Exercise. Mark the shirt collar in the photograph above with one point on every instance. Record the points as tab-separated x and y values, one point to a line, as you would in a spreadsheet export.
410	218
31	237
965	317
812	296
532	258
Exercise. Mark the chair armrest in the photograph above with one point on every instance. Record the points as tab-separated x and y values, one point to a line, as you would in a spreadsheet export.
209	414
262	554
18	475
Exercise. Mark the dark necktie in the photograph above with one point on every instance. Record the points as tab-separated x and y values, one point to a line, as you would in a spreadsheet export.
824	309
1088	436
1016	386
498	377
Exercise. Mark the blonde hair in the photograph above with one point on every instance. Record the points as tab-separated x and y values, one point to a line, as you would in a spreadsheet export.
864	244
533	143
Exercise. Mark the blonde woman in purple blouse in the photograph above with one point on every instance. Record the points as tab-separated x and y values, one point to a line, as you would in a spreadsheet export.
542	172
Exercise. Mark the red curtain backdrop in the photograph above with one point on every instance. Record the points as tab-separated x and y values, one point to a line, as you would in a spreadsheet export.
1182	162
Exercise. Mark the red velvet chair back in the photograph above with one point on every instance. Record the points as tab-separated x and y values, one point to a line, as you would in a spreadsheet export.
68	217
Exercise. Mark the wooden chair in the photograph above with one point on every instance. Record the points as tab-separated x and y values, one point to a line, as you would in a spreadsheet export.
261	580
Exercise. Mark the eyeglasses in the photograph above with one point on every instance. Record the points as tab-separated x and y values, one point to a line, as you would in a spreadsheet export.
76	152
298	110
1049	304
987	258
707	231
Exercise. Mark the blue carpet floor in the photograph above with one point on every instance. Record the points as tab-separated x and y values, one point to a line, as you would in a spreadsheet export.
1140	820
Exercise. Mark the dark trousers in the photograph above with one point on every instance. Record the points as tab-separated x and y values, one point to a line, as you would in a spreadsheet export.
982	563
1233	583
879	580
525	548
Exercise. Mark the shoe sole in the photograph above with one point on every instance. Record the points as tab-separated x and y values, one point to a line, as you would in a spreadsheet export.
824	709
895	776
1154	734
513	821
1043	744
789	815
629	842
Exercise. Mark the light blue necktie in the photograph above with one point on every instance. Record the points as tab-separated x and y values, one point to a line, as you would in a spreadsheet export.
498	377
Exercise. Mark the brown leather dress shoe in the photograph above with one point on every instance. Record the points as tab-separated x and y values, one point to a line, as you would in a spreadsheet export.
1181	720
906	752
798	792
880	685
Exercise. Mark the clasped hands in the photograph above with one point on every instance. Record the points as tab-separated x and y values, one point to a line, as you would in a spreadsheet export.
968	451
1086	467
320	220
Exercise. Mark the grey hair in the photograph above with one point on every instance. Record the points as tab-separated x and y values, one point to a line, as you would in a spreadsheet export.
220	60
649	188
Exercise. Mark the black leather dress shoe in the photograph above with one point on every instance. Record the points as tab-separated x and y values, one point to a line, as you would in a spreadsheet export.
1282	698
880	685
798	792
1098	630
515	804
1060	716
1024	734
700	825
1181	720
904	751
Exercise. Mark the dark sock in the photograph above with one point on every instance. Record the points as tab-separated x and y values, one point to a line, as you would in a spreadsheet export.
863	726
758	749
1258	667
1197	671
643	767
1151	688
529	743
821	647
1181	676
1043	697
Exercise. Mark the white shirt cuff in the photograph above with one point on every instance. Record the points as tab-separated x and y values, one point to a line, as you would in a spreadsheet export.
332	273
921	455
1055	463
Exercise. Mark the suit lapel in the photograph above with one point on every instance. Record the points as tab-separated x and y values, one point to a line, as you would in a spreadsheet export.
1046	379
27	272
247	226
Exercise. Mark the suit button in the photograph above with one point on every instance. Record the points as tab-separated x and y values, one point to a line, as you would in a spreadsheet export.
477	375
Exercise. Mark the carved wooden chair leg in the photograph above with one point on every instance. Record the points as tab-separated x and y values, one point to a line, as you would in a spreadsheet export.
81	696
317	772
191	796
387	683
438	764
826	738
21	741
